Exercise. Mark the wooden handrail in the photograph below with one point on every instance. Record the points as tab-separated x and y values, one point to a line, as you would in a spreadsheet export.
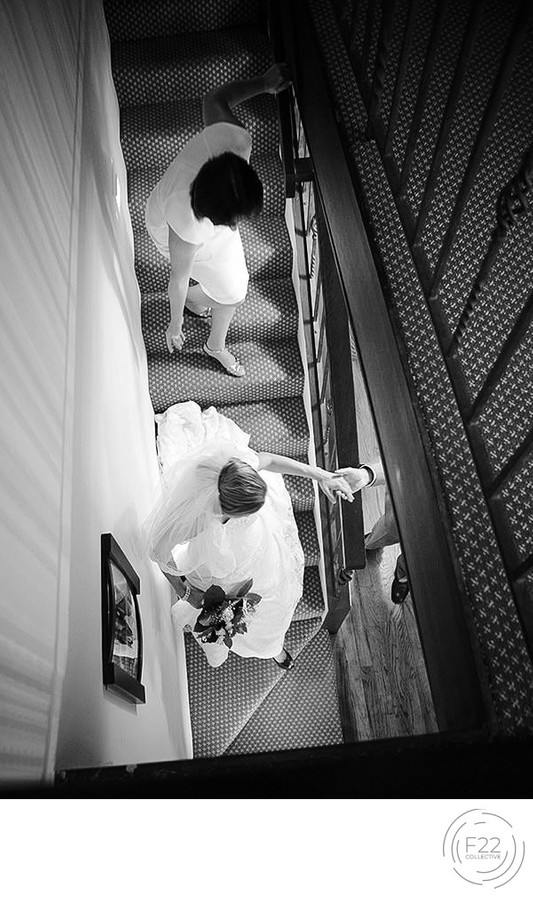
279	24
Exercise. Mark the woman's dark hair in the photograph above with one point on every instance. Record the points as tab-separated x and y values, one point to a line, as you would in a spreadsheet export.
240	488
226	189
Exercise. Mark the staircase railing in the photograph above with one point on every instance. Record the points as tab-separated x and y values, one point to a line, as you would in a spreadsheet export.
350	298
372	34
326	330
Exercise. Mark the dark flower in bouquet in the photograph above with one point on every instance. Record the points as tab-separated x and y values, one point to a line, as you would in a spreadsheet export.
224	616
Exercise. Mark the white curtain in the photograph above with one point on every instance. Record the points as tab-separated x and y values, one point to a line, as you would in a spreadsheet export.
40	58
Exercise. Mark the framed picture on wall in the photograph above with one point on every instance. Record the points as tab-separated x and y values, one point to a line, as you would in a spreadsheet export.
122	643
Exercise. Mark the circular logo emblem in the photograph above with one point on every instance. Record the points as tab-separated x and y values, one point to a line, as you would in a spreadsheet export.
483	848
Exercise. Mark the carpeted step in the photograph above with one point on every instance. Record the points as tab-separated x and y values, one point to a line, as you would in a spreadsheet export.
266	243
267	247
141	182
274	426
163	69
311	605
222	700
273	371
301	489
301	710
134	19
305	522
269	313
153	135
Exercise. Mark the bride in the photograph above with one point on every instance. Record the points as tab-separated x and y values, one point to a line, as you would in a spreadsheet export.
224	517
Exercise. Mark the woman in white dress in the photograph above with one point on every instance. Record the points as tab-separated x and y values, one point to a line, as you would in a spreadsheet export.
224	517
193	213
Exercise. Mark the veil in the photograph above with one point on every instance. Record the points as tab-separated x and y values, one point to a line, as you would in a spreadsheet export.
187	502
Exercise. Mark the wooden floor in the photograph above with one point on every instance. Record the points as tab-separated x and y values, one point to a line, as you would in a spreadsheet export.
382	683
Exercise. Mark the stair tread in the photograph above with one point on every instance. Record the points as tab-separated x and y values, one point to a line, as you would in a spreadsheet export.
311	604
300	489
274	426
301	710
223	699
269	312
156	70
273	371
134	19
305	521
152	135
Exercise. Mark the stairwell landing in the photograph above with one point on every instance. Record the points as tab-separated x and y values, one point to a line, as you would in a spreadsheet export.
165	57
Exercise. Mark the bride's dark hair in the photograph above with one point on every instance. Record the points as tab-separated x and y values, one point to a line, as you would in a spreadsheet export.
240	488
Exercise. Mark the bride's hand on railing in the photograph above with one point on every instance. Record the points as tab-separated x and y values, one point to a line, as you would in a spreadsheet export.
333	485
277	78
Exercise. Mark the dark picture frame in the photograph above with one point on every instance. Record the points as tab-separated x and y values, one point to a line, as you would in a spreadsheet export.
122	639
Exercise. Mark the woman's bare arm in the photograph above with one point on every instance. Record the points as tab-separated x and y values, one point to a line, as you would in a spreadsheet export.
218	105
331	484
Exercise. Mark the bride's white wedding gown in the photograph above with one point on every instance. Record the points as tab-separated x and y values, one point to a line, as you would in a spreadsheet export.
263	546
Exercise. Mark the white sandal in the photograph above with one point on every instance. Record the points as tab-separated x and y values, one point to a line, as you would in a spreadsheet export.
198	314
232	367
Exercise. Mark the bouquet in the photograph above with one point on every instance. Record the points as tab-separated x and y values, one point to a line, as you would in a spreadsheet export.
224	616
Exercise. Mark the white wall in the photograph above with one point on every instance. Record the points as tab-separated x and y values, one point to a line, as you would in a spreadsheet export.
77	450
38	91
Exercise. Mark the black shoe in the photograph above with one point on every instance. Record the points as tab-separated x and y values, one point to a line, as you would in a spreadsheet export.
399	590
287	663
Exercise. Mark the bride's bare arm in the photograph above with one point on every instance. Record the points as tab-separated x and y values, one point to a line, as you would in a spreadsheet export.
183	590
331	484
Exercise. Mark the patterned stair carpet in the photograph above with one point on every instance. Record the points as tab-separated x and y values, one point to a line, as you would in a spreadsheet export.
507	417
165	57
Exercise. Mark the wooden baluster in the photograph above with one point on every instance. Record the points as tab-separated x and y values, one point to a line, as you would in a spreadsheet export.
451	106
281	27
513	201
501	82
